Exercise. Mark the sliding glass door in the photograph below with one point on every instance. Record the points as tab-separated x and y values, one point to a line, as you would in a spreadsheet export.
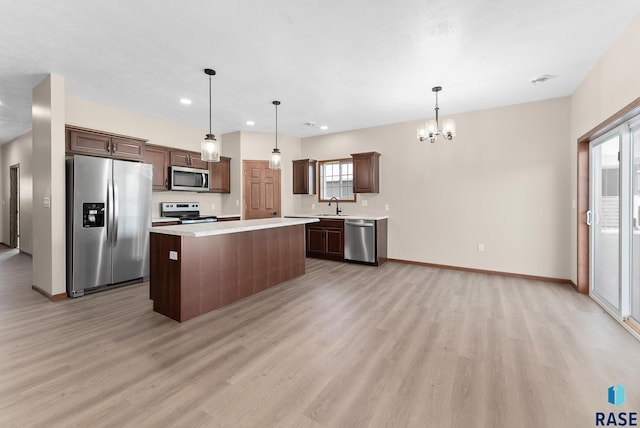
614	218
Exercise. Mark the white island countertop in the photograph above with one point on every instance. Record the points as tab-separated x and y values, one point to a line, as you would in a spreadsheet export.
224	227
338	217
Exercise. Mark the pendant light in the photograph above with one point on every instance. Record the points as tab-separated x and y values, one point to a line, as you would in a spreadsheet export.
431	129
276	158
210	147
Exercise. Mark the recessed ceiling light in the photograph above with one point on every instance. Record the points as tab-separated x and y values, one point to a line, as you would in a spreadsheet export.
185	101
250	122
309	124
324	127
541	79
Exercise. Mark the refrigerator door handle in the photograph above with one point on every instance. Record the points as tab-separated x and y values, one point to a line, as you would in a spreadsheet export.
116	210
108	223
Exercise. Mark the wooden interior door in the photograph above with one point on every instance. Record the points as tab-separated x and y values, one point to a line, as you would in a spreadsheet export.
261	195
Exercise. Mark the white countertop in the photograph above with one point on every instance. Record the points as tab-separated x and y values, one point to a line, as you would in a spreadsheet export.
338	217
224	227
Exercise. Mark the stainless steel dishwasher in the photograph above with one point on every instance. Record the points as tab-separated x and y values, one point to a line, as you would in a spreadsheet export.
360	240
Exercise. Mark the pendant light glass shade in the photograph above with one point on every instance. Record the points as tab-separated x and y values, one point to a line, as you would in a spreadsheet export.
276	159
275	162
210	147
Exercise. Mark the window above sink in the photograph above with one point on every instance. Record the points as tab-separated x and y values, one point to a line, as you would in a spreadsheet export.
336	180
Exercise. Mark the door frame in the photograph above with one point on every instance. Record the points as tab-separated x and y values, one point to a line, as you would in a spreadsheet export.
605	126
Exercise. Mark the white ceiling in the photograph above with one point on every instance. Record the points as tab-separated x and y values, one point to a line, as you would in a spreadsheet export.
347	64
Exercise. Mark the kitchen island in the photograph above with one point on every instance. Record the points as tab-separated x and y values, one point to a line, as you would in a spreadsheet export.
196	268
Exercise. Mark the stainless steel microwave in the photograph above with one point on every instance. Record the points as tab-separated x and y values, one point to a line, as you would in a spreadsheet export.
189	179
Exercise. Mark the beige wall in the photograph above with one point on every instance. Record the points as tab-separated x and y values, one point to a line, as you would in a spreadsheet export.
610	86
231	203
503	181
49	269
18	151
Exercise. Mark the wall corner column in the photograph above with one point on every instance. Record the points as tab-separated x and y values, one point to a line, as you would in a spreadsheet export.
49	246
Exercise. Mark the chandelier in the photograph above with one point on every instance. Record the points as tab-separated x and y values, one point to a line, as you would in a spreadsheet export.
431	129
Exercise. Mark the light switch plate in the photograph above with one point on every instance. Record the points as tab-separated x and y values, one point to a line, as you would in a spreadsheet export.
46	202
173	255
364	202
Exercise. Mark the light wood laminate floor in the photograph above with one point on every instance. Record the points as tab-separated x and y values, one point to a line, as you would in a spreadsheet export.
343	346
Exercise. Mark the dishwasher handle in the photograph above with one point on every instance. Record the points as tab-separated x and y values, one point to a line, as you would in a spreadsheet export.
361	223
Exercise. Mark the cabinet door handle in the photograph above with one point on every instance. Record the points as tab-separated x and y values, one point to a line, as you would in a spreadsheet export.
166	183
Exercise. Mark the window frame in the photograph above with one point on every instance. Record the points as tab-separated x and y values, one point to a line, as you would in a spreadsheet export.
321	163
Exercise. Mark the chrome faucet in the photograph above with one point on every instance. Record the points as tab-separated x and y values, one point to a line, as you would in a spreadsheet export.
338	210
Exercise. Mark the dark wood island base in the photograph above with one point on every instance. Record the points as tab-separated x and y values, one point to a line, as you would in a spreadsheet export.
190	276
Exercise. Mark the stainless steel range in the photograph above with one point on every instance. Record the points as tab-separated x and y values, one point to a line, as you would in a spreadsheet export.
186	212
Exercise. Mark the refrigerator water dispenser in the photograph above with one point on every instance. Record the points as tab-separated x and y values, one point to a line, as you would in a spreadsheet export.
93	214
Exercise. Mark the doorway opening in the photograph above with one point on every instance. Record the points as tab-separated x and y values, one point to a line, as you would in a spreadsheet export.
14	206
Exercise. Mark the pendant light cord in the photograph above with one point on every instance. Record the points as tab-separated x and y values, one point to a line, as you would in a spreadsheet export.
276	126
209	104
437	108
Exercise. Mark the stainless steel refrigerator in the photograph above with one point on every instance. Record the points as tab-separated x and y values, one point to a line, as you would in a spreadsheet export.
108	217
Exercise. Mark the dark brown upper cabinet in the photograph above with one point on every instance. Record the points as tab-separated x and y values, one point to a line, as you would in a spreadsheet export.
366	172
158	157
185	158
304	177
220	176
97	143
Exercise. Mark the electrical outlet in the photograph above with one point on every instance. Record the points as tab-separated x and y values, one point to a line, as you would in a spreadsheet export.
237	203
364	202
386	207
313	206
213	207
480	247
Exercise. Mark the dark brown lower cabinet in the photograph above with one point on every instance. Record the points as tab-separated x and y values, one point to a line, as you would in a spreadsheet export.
325	239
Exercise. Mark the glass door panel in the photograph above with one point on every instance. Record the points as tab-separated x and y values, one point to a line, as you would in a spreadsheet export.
635	216
605	229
